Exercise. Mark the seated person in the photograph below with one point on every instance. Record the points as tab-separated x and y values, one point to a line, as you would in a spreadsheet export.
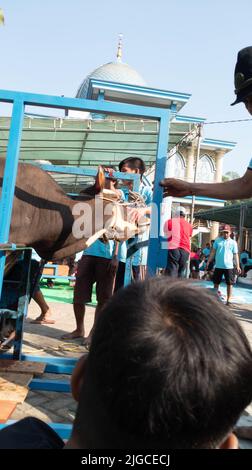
194	263
165	370
206	251
246	262
10	294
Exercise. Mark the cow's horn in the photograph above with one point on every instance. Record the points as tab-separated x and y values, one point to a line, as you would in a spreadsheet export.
99	180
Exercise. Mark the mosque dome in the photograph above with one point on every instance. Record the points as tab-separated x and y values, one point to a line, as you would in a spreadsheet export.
112	72
117	71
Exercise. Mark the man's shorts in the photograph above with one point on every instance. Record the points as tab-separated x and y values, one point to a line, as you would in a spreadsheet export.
93	269
227	273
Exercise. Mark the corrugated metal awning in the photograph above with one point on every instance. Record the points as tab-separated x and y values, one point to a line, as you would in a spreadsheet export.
229	214
87	142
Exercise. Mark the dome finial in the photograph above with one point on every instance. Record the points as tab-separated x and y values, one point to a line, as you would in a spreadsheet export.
119	49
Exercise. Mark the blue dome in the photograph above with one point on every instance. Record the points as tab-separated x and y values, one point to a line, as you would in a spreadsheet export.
112	72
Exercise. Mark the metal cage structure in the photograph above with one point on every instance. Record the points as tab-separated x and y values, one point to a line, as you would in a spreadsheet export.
158	110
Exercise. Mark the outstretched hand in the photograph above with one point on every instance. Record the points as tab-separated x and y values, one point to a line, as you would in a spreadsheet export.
174	187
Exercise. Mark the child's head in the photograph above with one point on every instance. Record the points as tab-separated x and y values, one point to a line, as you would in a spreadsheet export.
168	367
132	165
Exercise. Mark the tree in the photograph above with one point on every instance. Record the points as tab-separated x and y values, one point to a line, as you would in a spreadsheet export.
1	17
230	175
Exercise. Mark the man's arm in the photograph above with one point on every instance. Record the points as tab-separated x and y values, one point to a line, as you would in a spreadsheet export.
237	262
211	257
240	188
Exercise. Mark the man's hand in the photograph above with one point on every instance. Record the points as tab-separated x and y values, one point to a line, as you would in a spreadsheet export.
174	187
238	269
109	170
136	215
113	265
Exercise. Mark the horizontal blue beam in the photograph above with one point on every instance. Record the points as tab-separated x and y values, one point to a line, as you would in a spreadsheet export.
59	369
86	171
203	198
50	360
192	119
219	143
50	385
143	90
63	430
108	107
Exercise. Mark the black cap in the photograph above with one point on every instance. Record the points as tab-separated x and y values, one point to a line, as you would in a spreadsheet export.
243	75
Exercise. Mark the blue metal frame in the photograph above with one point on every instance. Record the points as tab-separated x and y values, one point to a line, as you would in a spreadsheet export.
22	309
56	365
20	287
155	251
20	100
10	174
50	385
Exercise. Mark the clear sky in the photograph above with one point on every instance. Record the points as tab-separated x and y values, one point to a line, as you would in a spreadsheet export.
49	46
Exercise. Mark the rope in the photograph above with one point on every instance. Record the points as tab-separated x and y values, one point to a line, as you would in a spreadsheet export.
227	122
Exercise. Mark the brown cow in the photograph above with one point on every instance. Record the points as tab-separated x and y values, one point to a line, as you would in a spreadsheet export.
43	215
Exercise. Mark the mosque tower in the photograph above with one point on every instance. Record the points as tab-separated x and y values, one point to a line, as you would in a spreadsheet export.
116	71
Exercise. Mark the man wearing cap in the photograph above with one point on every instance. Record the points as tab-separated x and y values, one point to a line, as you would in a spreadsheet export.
225	251
178	232
240	188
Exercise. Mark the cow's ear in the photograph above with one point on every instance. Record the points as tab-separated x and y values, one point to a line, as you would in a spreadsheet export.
99	180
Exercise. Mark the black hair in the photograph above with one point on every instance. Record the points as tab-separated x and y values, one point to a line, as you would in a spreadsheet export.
134	163
169	367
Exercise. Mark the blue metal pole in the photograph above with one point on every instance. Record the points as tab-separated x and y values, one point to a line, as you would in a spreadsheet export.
128	263
9	180
155	240
23	302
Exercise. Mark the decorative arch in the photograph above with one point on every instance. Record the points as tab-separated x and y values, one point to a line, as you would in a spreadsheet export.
206	169
179	166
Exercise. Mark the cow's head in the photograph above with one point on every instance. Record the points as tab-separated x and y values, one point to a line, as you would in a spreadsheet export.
118	221
102	186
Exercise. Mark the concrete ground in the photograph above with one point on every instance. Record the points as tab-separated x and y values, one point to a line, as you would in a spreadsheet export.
46	340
